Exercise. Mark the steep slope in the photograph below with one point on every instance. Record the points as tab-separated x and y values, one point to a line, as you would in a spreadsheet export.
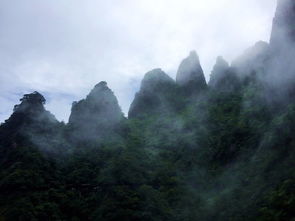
155	110
157	95
281	68
31	124
223	77
283	30
30	142
98	118
190	74
253	60
190	152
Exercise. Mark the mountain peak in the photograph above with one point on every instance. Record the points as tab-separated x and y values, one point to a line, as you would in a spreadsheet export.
193	55
98	90
28	118
153	96
154	78
31	102
101	84
220	61
32	108
155	74
283	30
190	72
282	44
253	60
97	116
219	71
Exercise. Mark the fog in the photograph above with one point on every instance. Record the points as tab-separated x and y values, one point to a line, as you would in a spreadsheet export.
63	48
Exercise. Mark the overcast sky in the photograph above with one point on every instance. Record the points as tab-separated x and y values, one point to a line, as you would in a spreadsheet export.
62	48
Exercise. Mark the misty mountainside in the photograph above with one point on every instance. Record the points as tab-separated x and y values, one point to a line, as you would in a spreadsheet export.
98	118
188	150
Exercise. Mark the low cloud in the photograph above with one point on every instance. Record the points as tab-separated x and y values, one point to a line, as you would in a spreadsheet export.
63	48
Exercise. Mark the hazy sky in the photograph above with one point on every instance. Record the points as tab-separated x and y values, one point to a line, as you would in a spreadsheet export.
62	48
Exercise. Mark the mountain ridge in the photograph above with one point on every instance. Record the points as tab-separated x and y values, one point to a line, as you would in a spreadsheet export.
187	151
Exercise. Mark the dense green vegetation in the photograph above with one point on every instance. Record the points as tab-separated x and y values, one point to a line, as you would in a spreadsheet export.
188	150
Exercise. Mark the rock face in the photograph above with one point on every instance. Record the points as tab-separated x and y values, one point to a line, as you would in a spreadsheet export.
155	79
95	117
283	30
157	92
223	77
282	40
30	110
254	59
160	94
190	73
219	71
30	120
31	103
273	62
281	68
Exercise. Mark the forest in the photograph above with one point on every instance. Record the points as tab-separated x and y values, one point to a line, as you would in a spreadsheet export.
188	150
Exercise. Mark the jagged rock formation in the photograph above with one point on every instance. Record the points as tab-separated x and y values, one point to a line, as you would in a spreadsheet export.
281	67
190	74
219	71
155	79
160	94
223	77
30	110
157	94
226	155
253	60
31	103
273	63
32	121
283	30
96	117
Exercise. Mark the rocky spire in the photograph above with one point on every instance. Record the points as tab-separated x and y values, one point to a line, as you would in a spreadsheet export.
190	73
281	66
283	30
253	60
32	108
97	116
30	120
219	71
154	79
100	103
31	103
155	94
